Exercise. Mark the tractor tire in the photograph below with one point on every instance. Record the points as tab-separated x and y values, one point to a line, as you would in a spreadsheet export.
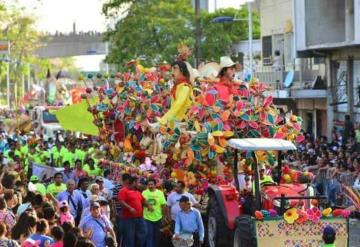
245	232
217	232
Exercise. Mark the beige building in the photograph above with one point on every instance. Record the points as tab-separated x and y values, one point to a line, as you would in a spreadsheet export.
299	84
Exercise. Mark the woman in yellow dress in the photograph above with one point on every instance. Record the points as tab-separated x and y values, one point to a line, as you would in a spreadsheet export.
181	94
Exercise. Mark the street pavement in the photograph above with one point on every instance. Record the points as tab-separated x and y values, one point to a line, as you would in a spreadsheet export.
354	232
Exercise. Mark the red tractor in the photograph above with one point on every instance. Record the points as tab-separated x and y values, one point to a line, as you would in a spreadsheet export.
228	219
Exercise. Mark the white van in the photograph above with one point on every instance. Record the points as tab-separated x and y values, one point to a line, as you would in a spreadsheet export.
45	122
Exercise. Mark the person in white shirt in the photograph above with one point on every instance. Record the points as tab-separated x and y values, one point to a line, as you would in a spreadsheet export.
174	198
357	183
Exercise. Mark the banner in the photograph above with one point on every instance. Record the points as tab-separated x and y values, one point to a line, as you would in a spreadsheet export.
77	118
281	234
45	172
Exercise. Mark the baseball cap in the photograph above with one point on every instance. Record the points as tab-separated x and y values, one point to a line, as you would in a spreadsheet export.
34	178
63	204
99	179
184	199
329	231
94	205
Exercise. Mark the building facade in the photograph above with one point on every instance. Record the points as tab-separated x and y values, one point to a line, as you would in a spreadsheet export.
299	85
331	30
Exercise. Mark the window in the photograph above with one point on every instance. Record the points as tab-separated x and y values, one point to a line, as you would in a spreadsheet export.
266	50
49	118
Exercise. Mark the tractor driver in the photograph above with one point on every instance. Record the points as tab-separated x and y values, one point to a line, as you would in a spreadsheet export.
263	178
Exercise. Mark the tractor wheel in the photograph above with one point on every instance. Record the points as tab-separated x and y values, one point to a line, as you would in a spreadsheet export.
216	231
245	232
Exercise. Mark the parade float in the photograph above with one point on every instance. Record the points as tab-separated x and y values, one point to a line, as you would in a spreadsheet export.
187	132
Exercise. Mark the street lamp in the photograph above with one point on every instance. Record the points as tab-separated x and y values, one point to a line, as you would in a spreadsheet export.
226	19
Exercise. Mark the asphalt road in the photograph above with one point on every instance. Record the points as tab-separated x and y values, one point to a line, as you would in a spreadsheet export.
354	231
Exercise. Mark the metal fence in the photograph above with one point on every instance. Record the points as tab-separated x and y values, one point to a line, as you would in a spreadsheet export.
302	79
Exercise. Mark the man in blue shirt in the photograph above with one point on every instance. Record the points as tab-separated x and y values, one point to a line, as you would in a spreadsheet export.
74	199
96	226
189	221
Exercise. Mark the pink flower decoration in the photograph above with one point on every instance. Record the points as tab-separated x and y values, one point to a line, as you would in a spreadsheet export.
314	214
346	213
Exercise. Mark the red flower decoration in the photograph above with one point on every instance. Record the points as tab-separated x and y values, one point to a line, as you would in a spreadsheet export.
259	215
303	217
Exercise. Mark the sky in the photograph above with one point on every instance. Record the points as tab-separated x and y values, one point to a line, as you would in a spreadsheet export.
59	15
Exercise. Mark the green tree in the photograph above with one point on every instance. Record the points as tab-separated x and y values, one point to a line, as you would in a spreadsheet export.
217	38
19	29
152	29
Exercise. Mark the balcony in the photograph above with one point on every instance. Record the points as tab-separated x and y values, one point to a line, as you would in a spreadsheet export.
307	83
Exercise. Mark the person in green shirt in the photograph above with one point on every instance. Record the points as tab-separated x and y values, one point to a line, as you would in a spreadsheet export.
156	199
329	236
69	155
55	153
92	169
80	154
39	186
58	185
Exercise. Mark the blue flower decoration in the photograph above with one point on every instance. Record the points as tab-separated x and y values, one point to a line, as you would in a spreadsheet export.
265	213
109	92
102	107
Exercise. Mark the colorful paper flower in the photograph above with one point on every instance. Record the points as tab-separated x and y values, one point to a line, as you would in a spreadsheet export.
273	213
303	217
291	215
327	212
314	214
337	213
346	213
259	215
265	213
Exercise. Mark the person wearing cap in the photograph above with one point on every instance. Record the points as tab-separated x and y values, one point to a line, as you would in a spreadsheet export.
329	236
102	190
225	88
174	197
57	186
181	93
74	199
39	186
65	215
263	178
96	227
189	222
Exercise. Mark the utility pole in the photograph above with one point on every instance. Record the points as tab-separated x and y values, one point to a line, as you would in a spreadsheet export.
8	76
197	33
249	4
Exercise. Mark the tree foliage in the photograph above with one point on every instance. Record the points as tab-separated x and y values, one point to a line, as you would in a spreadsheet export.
20	30
152	29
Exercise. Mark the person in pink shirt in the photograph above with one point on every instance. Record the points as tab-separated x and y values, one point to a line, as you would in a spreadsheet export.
225	87
58	234
65	215
79	172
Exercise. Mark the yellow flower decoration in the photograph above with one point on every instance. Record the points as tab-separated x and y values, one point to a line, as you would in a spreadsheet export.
327	212
291	215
